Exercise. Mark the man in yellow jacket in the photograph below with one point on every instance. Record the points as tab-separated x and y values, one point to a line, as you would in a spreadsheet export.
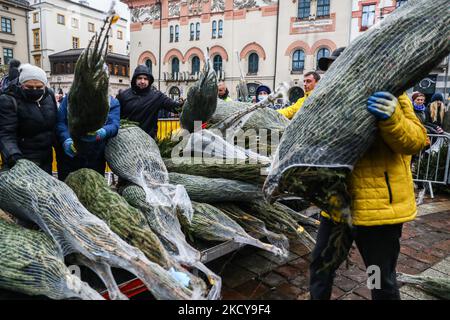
310	80
382	193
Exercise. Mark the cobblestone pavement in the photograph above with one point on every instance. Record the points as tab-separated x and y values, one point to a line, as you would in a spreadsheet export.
250	273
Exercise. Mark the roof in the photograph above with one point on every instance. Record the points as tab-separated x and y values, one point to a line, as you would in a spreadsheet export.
75	53
22	3
77	3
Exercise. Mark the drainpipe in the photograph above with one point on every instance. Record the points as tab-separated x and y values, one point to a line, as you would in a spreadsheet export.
28	36
276	45
446	80
160	43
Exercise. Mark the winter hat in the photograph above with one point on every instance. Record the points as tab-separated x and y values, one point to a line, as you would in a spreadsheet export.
417	94
29	72
263	88
437	97
325	62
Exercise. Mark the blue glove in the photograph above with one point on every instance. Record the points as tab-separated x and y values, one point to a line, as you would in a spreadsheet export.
98	135
382	105
180	277
69	148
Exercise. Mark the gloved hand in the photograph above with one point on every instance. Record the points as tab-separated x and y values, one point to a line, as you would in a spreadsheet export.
382	105
180	277
69	148
98	135
13	159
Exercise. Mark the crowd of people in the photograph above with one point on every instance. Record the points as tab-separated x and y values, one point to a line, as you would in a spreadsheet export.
33	121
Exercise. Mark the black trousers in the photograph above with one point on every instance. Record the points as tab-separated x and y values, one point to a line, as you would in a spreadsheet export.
94	160
378	245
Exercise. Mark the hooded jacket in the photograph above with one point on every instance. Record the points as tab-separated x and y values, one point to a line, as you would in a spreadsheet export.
143	106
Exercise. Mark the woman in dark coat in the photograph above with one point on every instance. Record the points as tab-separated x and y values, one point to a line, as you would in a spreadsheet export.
28	119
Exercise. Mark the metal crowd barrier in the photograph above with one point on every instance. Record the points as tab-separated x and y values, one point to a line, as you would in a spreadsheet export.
431	165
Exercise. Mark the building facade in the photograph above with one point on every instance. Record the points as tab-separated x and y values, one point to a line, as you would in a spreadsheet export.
14	31
57	26
366	13
267	40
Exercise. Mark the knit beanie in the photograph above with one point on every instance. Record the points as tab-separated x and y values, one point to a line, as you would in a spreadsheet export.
29	72
416	94
437	97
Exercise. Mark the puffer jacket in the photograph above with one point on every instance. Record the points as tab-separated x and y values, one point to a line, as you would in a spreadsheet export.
381	184
27	129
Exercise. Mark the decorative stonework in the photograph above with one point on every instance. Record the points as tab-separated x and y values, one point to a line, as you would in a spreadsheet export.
145	14
174	9
217	5
248	4
196	6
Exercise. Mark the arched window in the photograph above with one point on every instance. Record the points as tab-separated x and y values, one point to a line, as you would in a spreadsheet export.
401	2
171	34
177	33
217	63
324	52
148	63
197	31
174	93
175	66
195	65
253	63
192	35
214	29
220	28
298	61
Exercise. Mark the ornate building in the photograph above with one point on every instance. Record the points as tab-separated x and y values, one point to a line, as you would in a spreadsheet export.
268	40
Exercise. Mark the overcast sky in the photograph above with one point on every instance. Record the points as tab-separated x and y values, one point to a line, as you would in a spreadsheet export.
104	5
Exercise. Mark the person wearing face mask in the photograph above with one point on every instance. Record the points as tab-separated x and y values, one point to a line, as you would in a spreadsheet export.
28	119
141	103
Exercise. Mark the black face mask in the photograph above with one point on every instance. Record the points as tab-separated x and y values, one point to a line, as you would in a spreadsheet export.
33	94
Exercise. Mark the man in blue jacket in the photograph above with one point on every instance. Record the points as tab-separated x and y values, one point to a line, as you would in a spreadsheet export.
93	156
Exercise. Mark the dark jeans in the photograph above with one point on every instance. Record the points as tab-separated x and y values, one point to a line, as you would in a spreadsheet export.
95	160
378	245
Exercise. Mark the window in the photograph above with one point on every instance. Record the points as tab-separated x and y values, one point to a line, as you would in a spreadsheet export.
324	52
171	34
214	29
195	65
119	35
148	63
401	2
304	8
36	39
220	28
37	60
175	66
91	27
75	42
7	55
192	32
197	31
323	8
368	16
298	61
217	62
36	17
177	33
110	48
61	19
6	25
75	23
253	63
123	71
